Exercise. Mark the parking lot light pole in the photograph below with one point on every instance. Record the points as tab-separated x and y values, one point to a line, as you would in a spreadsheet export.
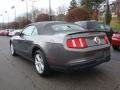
8	17
33	15
50	11
26	8
13	7
3	20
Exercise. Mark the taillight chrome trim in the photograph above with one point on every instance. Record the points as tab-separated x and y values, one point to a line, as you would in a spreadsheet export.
106	39
81	43
73	42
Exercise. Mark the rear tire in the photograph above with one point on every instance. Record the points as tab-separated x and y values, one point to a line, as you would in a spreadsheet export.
115	47
41	64
13	52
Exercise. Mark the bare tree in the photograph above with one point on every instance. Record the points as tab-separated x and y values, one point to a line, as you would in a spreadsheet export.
61	10
34	13
60	17
42	17
22	21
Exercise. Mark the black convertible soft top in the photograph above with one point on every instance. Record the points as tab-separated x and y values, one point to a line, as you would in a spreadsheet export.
45	27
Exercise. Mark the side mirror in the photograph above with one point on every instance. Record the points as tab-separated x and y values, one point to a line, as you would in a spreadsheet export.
18	34
21	34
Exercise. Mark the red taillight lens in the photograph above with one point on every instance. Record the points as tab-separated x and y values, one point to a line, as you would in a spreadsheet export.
106	40
77	43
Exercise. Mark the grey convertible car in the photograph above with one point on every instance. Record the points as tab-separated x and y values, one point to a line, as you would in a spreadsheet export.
57	45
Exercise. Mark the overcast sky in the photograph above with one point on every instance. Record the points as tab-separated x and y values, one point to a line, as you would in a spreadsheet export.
5	5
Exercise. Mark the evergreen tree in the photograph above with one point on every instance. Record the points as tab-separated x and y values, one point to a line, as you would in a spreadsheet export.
91	5
73	4
108	15
87	4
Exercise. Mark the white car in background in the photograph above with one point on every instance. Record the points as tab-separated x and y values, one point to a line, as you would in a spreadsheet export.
14	32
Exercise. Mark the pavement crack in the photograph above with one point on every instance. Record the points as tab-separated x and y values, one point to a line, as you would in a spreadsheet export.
117	87
25	75
5	55
28	77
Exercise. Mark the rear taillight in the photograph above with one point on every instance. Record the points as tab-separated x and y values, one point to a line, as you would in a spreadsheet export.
77	43
106	40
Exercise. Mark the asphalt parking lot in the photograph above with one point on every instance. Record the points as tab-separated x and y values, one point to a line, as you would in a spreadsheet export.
17	73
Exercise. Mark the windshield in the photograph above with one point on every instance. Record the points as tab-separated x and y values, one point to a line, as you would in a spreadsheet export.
66	27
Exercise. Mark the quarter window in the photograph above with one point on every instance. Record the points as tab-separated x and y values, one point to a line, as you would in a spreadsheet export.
35	32
28	31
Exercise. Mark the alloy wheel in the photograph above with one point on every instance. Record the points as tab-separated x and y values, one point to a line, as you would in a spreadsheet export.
39	63
12	49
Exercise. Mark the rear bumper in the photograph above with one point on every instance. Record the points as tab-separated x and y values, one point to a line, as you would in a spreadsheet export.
86	64
82	65
115	41
63	58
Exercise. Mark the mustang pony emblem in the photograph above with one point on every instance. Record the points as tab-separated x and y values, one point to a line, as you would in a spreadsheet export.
97	40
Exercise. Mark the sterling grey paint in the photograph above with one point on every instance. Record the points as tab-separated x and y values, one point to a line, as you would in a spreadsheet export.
53	45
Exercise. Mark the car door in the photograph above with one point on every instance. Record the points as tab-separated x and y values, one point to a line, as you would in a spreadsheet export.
31	40
25	40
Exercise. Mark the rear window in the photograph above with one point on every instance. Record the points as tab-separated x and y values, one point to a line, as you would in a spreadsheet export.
96	26
82	24
107	27
66	27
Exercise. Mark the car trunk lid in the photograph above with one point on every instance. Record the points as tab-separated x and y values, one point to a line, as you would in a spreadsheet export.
86	39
